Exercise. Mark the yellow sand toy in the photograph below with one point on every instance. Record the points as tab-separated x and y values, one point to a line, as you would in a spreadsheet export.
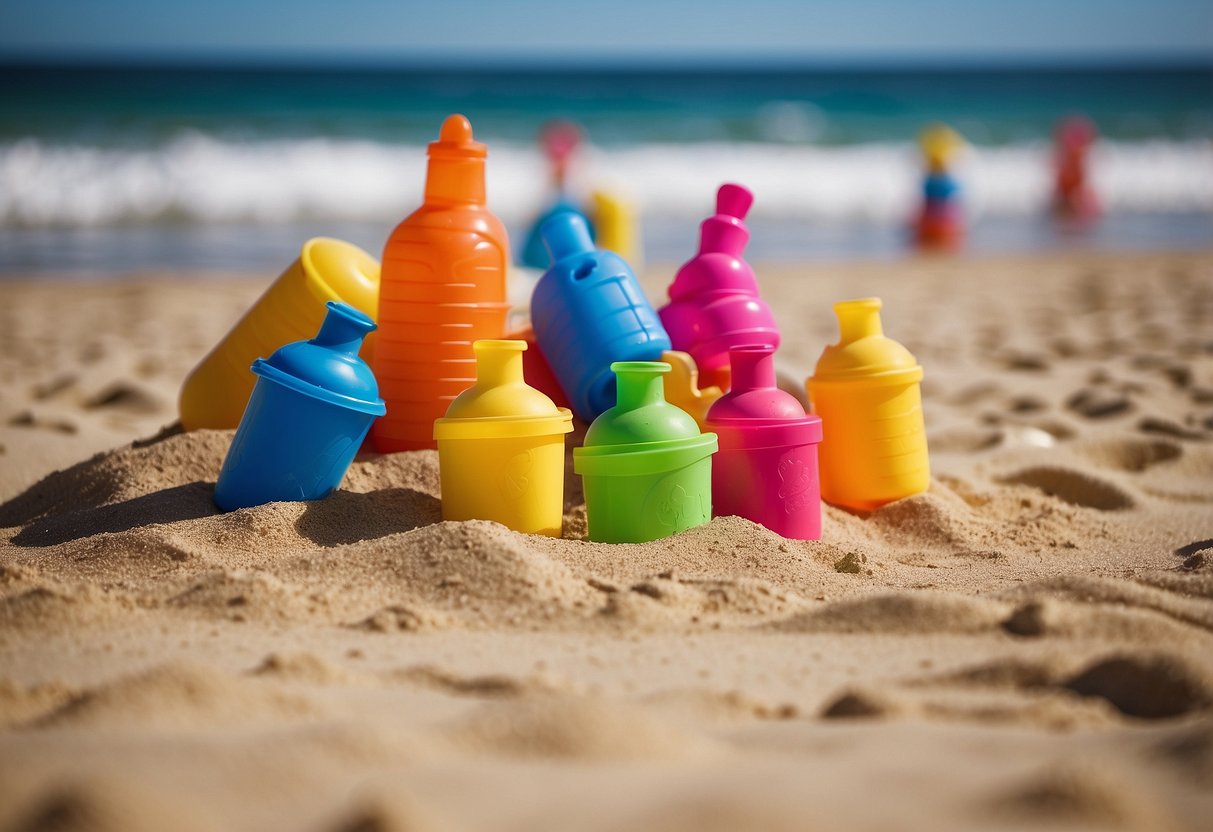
292	309
501	447
615	224
682	387
865	389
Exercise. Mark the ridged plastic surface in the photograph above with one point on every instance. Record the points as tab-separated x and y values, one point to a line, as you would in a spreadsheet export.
443	286
588	311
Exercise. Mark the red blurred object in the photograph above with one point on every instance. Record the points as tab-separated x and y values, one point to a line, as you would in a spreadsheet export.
1073	196
940	226
536	370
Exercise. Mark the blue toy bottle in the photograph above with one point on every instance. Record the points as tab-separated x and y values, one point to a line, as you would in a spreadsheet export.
588	311
535	252
312	406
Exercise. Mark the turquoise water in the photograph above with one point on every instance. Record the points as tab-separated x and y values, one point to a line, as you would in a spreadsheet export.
112	169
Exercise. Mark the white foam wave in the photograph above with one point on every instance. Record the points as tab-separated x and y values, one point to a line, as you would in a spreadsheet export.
197	178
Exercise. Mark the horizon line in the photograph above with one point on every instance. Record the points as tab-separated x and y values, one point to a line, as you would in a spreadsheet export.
446	63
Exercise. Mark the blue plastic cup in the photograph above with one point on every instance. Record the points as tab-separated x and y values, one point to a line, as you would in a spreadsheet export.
310	410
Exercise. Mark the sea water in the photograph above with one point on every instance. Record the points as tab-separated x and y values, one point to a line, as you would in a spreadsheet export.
108	170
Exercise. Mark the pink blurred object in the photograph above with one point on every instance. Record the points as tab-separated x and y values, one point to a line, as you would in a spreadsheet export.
766	468
714	302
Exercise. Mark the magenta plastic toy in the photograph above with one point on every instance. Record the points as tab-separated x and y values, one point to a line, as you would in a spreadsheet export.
766	468
714	303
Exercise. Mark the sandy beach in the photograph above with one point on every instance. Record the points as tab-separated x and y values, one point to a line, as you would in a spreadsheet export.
1027	645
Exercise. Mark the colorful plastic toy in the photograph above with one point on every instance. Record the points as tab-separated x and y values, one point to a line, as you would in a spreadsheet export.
536	368
501	447
714	303
766	468
865	389
216	391
682	387
645	467
1073	196
311	407
588	310
614	220
559	140
941	222
443	287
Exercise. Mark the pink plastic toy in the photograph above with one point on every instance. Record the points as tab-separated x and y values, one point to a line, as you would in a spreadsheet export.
766	468
714	303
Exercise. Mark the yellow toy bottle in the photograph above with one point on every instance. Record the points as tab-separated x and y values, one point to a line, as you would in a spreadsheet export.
292	309
501	447
865	389
616	227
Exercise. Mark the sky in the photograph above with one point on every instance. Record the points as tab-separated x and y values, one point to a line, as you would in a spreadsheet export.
445	32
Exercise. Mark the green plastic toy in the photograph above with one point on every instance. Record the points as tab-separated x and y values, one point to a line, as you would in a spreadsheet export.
646	468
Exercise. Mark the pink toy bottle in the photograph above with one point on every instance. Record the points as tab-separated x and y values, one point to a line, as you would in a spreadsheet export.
714	303
766	468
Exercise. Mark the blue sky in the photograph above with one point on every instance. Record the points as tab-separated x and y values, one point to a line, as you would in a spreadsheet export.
453	31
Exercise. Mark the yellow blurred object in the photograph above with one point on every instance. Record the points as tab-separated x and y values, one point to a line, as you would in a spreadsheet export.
865	389
940	145
292	309
682	387
501	447
616	227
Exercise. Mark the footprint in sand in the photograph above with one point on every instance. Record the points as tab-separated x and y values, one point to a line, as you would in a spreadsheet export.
1133	455
44	421
1075	487
1095	403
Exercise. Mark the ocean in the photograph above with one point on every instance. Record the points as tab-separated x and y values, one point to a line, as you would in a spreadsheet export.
107	170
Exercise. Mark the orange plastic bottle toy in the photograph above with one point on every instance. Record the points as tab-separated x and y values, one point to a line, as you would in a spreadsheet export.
443	286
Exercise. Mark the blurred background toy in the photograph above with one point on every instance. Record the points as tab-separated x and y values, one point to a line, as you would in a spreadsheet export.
941	222
1074	197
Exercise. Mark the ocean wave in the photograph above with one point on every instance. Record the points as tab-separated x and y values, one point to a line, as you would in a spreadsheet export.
197	178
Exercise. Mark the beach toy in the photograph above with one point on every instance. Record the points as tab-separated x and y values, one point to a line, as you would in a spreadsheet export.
559	140
766	468
311	407
536	368
216	391
714	303
534	251
940	222
613	221
501	447
443	287
1073	196
589	310
645	467
682	387
865	389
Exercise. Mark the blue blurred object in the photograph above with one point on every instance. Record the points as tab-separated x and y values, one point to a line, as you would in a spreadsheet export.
535	252
940	186
309	412
588	311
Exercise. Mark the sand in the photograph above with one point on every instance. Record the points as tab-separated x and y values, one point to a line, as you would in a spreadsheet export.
1027	645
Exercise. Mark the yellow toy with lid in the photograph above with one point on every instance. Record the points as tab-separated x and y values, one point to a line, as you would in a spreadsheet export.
501	447
866	391
292	309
